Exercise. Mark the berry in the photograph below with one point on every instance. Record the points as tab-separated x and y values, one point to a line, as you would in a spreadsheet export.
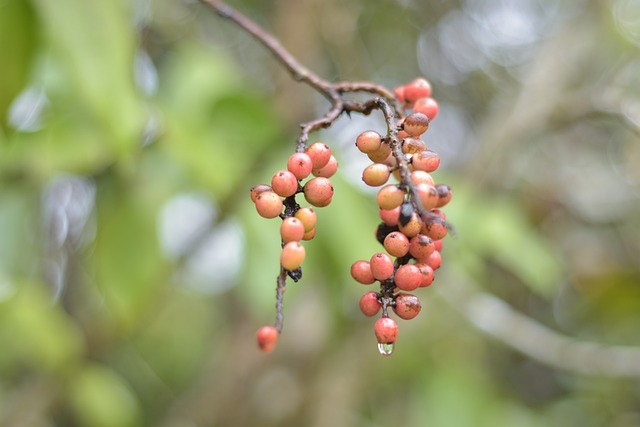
381	154
369	304
381	266
308	218
318	191
267	337
428	196
438	245
308	235
284	183
416	124
413	145
396	244
390	217
376	174
386	330
434	260
416	89
427	274
328	170
257	189
300	165
407	306
436	228
428	106
444	194
399	93
426	160
408	277
369	141
421	177
292	255
421	246
269	204
361	272
291	229
390	197
320	153
412	227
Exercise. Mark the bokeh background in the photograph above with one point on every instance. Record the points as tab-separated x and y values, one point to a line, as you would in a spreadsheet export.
134	270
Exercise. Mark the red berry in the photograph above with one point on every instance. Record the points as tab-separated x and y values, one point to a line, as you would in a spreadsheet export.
284	183
428	195
390	217
408	277
300	165
318	191
257	189
418	88
444	194
427	274
386	330
390	197
320	153
292	255
308	218
376	174
381	266
421	246
399	93
438	244
291	229
396	243
416	124
361	272
434	260
369	304
269	204
427	106
328	170
407	306
436	228
267	337
369	141
426	160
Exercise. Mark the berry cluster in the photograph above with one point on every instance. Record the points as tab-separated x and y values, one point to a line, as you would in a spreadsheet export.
298	223
413	225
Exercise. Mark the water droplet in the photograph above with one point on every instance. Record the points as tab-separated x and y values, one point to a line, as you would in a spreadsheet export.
385	349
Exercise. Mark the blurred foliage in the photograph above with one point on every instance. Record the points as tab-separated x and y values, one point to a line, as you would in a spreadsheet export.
134	270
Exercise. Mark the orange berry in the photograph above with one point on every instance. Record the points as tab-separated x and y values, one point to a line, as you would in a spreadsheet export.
308	218
284	183
396	244
291	229
269	204
320	153
376	174
257	189
369	304
292	255
318	191
300	165
416	124
428	106
368	141
407	306
267	337
386	330
361	272
418	88
408	277
328	170
390	197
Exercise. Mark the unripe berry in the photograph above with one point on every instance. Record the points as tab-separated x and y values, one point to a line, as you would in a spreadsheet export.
361	272
376	174
421	177
300	165
318	191
284	183
413	145
427	274
291	229
267	337
390	197
390	217
308	218
386	330
369	141
408	277
396	244
257	189
426	160
381	154
421	246
328	170
407	306
412	227
416	124
427	106
292	255
320	153
444	194
381	266
268	204
428	196
416	89
369	304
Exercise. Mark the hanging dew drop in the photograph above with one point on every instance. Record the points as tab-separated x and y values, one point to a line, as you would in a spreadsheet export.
385	349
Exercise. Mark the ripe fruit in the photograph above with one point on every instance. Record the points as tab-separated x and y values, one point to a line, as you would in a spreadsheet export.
408	277
369	304
284	183
361	272
427	106
386	330
381	266
407	306
413	146
390	217
418	88
396	244
427	274
268	204
369	141
300	165
426	160
267	337
318	191
291	229
381	154
308	218
421	246
376	174
292	255
320	153
390	197
328	170
257	189
416	124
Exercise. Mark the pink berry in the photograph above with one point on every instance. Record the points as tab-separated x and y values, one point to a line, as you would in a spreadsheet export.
434	260
428	195
390	197
427	106
436	228
320	153
328	170
386	330
369	304
257	189
427	274
407	306
421	246
292	255
318	191
300	165
426	160
284	183
438	244
269	204
369	141
267	337
418	88
408	277
381	266
390	217
291	229
421	177
396	244
376	174
361	272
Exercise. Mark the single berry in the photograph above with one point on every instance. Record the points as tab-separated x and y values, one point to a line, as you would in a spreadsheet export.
382	231
381	266
390	217
413	145
386	330
428	195
407	306
308	218
267	337
421	177
399	93
444	194
408	277
369	141
300	165
291	229
427	106
412	227
320	153
416	124
381	154
390	197
284	183
436	228
376	174
421	246
361	272
318	191
416	89
257	189
328	170
426	160
292	255
438	244
269	204
369	304
308	235
427	274
434	260
396	244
